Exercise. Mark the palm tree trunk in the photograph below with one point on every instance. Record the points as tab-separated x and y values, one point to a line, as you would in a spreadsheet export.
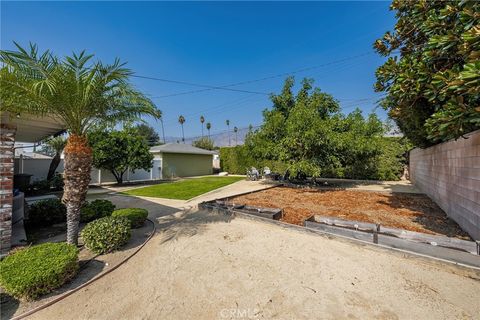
78	164
183	135
163	130
53	166
202	130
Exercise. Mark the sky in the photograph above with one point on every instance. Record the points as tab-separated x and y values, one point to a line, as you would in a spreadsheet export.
215	44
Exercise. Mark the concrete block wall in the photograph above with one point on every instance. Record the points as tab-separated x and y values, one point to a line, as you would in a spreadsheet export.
7	141
449	173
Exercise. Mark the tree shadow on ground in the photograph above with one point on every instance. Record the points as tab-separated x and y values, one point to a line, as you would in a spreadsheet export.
172	222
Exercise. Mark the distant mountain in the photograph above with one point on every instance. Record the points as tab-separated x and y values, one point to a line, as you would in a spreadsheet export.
219	139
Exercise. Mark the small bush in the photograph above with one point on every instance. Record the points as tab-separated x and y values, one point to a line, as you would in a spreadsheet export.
47	212
96	209
34	271
136	216
106	234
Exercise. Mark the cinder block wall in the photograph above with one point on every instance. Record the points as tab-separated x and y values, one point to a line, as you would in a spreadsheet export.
449	173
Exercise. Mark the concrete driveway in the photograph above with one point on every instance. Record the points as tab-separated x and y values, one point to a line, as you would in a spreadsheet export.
205	266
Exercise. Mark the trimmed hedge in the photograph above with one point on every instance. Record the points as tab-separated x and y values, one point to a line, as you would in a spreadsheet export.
106	234
47	212
96	209
136	216
237	160
34	271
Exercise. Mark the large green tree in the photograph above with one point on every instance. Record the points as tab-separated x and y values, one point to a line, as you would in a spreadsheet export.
306	134
79	92
148	133
119	151
432	76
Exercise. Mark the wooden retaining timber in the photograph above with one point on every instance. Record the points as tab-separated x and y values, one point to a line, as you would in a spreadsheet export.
456	251
435	240
424	249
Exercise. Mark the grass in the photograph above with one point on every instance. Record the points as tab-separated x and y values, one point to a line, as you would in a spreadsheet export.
184	189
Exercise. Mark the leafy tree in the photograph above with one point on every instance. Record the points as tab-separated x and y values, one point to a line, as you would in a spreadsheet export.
118	151
308	134
149	134
432	77
78	92
181	120
54	147
204	143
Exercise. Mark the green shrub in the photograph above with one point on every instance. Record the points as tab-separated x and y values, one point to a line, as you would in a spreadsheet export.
47	212
136	216
106	234
96	209
34	271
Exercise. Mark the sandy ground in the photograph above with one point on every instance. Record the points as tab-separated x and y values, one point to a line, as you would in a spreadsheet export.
414	212
203	266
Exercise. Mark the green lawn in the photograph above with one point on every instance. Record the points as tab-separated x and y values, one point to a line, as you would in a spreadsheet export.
184	189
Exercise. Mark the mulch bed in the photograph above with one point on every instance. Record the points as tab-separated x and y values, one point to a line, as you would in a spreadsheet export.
412	212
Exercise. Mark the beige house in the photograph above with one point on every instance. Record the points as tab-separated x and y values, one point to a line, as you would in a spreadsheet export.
180	160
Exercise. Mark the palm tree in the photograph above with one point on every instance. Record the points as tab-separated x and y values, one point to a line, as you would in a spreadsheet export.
56	145
181	120
235	129
209	126
81	94
163	128
228	131
202	120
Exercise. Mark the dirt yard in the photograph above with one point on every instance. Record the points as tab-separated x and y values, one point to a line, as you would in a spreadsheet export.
204	266
412	212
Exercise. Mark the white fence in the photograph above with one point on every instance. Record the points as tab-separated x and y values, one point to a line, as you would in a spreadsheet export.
38	168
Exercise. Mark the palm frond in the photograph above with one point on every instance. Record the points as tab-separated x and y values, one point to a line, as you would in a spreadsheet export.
77	90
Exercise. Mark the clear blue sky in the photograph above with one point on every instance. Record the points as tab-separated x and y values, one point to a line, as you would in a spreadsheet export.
215	43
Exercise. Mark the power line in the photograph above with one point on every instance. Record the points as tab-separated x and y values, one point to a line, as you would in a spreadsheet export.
208	87
228	87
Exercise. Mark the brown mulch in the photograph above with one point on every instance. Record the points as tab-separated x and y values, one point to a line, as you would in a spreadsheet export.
412	212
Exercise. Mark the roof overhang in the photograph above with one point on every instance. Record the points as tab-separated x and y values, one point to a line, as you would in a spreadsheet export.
31	128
